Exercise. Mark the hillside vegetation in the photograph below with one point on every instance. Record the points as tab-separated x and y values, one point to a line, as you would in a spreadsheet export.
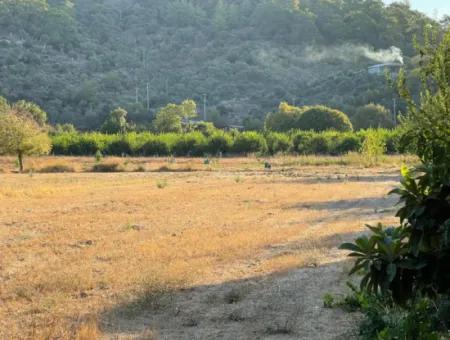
79	59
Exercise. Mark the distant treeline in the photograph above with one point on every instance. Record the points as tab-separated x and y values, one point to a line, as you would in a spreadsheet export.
223	143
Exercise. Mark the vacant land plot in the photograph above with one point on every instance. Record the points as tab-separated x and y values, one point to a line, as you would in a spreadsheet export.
224	250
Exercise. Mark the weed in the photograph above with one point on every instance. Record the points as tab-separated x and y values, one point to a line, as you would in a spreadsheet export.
140	168
235	295
328	300
107	167
161	184
57	168
238	179
98	156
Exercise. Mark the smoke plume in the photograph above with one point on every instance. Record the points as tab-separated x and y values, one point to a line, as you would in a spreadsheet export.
350	52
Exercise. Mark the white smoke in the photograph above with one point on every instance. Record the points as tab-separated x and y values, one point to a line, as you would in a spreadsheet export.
350	52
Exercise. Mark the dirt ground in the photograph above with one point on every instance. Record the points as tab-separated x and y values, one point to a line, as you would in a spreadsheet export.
230	252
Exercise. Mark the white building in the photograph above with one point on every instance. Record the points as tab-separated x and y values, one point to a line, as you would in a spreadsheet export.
381	69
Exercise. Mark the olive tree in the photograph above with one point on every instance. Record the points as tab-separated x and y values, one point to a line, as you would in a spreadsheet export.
21	135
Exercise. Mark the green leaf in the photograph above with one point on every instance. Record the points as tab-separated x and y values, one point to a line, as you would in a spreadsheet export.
350	246
391	270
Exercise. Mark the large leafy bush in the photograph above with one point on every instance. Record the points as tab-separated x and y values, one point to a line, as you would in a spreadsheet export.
413	260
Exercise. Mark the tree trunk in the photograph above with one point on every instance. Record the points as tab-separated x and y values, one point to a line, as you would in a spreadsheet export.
20	157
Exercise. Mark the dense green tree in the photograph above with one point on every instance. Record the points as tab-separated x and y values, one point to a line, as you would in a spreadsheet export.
372	116
168	119
80	59
321	118
285	119
20	135
116	122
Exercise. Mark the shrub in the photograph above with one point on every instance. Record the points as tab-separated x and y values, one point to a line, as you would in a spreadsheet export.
57	168
155	147
190	144
321	118
108	167
347	143
373	147
219	142
118	148
249	142
319	145
372	116
284	119
301	142
278	142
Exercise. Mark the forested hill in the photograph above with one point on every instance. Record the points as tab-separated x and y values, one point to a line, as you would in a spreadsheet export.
78	59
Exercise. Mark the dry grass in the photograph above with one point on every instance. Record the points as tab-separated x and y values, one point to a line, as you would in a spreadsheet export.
68	252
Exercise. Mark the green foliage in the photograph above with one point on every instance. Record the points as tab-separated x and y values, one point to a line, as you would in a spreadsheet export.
30	110
278	142
321	118
427	123
154	146
372	116
249	142
98	156
317	118
168	119
21	135
219	143
373	147
77	61
116	122
190	144
411	263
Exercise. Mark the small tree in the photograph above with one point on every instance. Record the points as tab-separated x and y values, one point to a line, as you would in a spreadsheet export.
284	119
21	136
168	119
116	122
321	118
372	116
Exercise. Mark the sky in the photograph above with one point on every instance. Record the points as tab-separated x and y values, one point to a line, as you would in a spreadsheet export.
430	7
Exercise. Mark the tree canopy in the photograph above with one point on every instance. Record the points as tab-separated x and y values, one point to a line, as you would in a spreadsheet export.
79	60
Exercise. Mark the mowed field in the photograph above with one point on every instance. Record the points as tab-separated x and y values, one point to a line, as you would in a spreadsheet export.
226	250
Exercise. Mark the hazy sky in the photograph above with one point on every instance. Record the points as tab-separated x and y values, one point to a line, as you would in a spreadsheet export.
441	7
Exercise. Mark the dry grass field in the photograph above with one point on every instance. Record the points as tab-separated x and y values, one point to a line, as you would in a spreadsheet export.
184	250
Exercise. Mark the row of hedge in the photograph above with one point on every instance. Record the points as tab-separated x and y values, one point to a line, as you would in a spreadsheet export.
220	142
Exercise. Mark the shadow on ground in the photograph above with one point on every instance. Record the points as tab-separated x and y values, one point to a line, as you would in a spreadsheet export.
285	305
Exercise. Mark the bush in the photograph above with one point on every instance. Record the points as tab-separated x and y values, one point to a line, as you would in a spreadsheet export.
278	142
56	168
373	147
108	167
301	142
119	147
249	142
154	147
190	144
321	118
372	116
319	145
219	142
196	144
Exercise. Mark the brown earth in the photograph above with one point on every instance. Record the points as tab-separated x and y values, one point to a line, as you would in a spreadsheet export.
228	251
